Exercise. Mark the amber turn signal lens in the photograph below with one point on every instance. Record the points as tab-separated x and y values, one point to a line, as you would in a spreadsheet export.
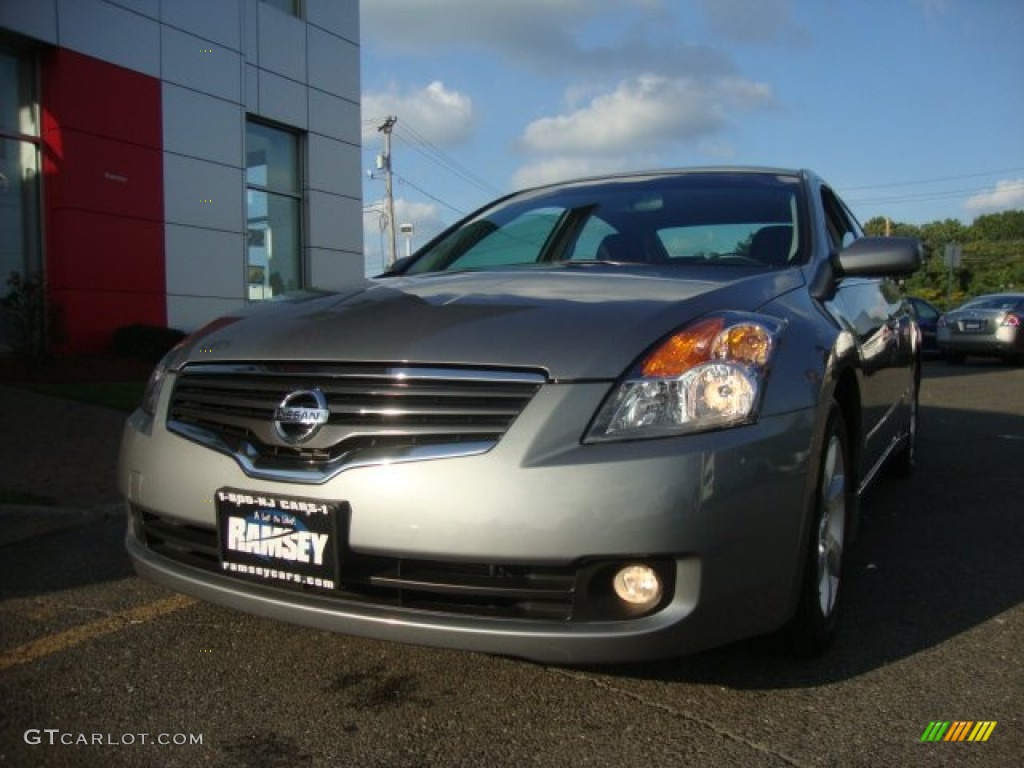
684	350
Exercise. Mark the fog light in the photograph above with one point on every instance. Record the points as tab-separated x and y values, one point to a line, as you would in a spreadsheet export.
638	585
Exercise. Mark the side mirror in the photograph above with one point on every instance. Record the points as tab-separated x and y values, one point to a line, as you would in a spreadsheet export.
881	257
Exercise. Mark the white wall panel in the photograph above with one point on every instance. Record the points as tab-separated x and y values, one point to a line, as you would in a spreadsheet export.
335	117
335	222
149	8
333	64
216	20
203	194
110	33
283	100
202	126
334	269
282	43
189	313
252	89
334	166
204	262
251	30
200	65
339	17
37	19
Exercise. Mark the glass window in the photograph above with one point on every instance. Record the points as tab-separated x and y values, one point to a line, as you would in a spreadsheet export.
924	311
843	228
518	242
738	219
19	169
274	262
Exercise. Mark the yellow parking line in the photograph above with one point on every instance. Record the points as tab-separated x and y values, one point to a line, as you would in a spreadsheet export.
62	641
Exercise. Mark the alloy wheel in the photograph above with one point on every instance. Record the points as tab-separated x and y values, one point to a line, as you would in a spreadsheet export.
832	525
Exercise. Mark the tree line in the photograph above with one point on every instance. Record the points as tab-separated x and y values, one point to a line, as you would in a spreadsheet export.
992	248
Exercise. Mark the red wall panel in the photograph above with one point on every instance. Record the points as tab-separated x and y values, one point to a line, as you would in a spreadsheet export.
97	248
103	197
107	176
91	96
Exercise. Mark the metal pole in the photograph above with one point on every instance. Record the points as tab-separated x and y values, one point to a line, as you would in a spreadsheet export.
389	123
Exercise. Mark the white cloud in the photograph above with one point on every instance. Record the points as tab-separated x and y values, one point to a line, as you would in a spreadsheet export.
560	168
439	115
754	21
1007	195
932	8
425	217
644	113
541	35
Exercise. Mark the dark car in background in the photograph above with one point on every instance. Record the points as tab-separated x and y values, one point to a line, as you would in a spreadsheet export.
927	315
986	326
618	418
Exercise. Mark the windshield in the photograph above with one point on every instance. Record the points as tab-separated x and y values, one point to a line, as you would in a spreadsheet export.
689	219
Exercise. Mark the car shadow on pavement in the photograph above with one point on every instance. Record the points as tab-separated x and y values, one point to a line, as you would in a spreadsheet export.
86	551
938	555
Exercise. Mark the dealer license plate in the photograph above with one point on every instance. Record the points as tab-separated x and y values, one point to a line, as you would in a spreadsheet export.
278	539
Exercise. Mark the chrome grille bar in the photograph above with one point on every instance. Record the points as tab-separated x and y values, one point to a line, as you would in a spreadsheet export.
377	413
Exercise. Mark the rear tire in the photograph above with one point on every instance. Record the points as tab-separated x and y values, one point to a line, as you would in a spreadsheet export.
814	624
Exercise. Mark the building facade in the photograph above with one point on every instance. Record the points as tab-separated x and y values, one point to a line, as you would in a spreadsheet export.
163	161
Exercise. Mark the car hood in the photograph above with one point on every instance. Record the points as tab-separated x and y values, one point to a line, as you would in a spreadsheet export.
573	323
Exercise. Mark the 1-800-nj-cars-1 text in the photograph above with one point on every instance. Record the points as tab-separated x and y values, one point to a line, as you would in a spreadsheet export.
618	418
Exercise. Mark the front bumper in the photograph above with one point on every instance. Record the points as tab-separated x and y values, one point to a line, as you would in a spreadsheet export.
723	511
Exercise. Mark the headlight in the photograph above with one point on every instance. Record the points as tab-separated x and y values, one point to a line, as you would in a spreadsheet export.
708	375
151	396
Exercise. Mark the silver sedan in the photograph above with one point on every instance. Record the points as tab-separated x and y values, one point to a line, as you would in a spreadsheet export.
987	326
618	418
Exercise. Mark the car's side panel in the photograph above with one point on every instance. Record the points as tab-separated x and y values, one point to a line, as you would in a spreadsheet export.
873	314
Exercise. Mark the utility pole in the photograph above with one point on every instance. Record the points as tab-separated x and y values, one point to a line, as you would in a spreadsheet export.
384	164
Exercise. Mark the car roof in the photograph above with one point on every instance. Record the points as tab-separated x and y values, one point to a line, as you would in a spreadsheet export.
990	296
721	170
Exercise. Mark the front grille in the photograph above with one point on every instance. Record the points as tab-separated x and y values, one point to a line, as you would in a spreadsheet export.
481	589
377	413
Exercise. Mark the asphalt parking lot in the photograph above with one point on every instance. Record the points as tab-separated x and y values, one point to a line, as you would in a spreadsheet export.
100	668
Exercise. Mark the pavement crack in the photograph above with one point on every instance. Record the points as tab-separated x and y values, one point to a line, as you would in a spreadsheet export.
678	713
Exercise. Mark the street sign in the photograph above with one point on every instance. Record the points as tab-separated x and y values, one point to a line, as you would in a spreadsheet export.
952	255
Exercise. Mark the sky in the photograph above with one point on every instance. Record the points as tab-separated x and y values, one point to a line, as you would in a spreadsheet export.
911	109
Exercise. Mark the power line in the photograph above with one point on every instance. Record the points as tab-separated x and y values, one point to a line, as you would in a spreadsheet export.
420	144
933	181
439	201
951	194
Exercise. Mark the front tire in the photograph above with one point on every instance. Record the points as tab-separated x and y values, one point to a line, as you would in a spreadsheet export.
813	627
